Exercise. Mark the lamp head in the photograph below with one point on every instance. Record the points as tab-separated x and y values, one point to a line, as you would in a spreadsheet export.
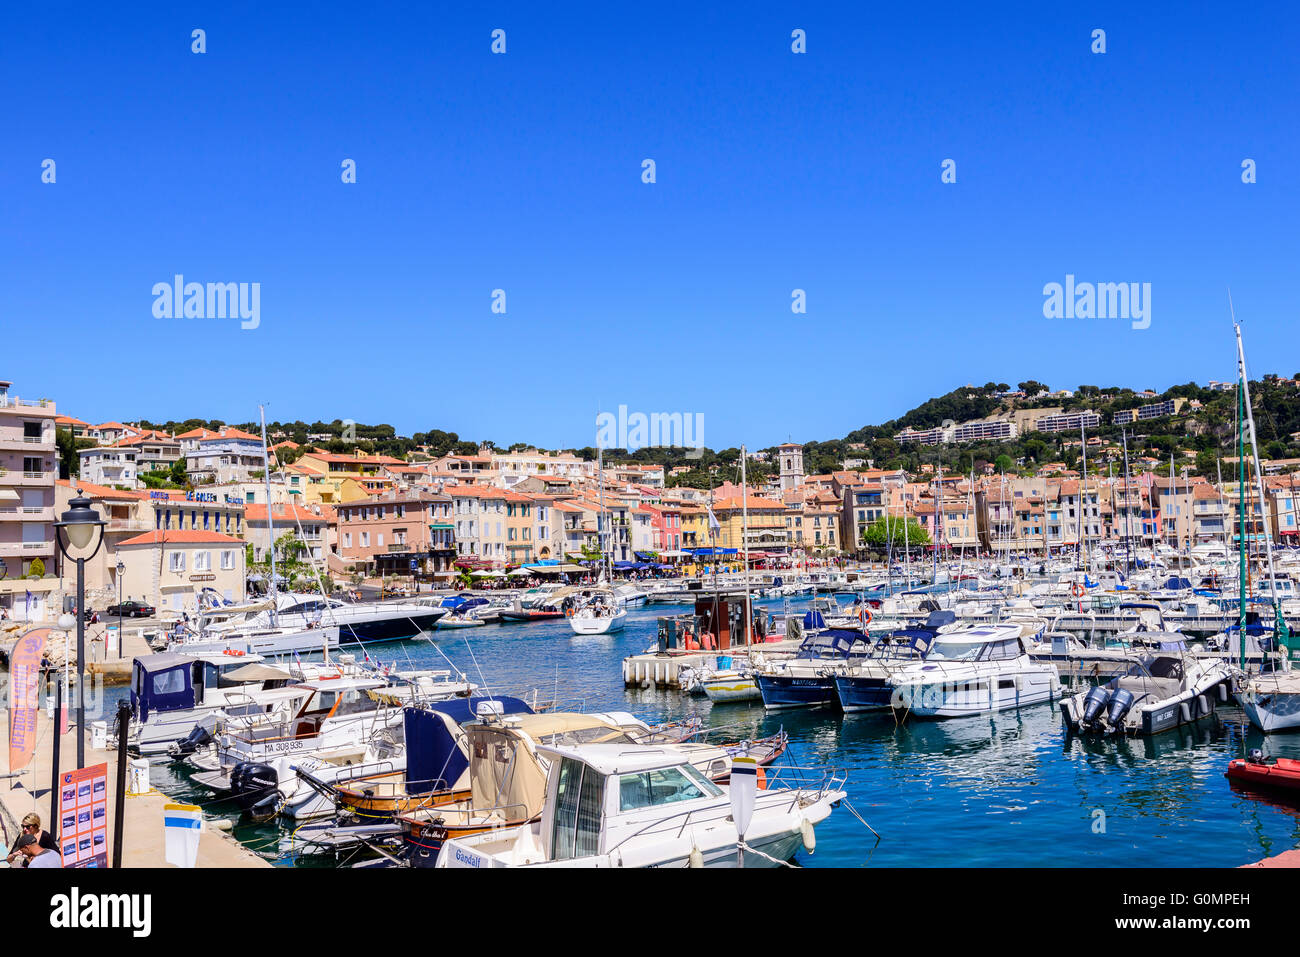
80	524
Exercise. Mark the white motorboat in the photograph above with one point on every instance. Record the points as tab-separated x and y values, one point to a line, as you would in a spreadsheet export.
971	672
1272	701
272	642
613	805
171	693
1158	692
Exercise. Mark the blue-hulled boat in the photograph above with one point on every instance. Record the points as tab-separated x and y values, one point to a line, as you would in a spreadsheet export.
807	680
868	687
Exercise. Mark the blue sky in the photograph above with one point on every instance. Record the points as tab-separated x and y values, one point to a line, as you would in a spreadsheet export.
522	172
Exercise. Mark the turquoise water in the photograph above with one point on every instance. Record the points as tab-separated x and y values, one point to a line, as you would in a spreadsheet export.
1006	790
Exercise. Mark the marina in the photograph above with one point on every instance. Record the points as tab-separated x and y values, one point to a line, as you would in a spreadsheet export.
953	786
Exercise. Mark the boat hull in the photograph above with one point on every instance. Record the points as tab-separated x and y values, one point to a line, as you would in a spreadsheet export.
863	694
782	691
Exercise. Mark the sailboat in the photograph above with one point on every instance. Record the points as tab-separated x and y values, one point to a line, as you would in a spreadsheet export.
1271	699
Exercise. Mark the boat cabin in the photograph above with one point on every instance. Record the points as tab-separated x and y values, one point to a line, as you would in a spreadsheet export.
600	794
176	682
994	643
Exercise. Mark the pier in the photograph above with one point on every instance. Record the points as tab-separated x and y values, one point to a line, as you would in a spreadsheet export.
143	839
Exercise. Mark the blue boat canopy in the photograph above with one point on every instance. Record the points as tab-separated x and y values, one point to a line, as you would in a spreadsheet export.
435	758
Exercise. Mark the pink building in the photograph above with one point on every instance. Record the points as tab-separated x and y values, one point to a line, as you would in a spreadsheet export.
29	464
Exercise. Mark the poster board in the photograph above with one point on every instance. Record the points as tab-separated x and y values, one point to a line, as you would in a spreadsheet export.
83	817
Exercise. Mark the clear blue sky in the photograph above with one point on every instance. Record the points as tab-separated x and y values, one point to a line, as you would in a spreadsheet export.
775	171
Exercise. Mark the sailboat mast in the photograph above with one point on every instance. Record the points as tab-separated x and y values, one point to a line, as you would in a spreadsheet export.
270	522
1279	622
744	541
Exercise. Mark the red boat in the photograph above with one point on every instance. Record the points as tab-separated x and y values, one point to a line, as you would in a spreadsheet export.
1281	773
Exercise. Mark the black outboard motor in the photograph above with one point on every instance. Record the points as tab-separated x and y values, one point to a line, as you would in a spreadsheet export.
252	787
197	738
1256	756
1093	703
1120	701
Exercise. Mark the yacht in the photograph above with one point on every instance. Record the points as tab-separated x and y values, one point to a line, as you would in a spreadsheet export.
977	671
806	680
356	622
1158	692
867	684
171	693
614	805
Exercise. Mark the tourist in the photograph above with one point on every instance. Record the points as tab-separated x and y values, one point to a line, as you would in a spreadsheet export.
37	855
31	827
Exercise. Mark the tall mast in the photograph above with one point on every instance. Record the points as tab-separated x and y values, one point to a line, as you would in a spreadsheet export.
270	522
744	541
1128	511
1083	500
1279	622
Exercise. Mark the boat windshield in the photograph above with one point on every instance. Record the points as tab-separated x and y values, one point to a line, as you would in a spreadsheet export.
955	650
663	786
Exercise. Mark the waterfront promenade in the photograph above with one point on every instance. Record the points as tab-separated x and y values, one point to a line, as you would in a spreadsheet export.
143	842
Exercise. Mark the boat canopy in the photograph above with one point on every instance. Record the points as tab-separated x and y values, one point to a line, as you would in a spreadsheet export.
162	683
1177	584
435	752
833	643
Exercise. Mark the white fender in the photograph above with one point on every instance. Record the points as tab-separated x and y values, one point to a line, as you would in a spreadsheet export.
809	836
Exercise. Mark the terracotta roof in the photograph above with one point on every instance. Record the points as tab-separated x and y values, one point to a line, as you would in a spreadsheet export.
257	513
102	491
181	537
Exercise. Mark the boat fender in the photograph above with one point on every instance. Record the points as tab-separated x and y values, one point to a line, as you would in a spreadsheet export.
1203	705
1223	691
809	836
696	858
1185	711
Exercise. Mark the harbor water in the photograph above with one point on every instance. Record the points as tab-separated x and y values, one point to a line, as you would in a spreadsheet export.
1004	790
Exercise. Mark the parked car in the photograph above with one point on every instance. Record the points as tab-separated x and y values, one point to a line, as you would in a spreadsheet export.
131	609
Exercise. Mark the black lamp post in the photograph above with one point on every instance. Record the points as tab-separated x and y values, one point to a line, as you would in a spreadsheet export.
81	526
121	569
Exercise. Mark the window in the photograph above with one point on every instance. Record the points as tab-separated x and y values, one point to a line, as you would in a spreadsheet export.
176	562
227	561
203	561
662	786
347	539
365	539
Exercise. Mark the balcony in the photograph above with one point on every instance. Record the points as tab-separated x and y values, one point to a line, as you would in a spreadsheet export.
129	525
25	443
12	478
20	513
26	549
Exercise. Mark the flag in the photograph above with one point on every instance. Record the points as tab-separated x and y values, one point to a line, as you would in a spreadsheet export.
714	526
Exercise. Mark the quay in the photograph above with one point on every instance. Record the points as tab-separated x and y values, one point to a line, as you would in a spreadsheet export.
143	839
655	670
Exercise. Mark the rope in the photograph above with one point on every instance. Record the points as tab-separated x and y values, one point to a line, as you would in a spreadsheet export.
753	850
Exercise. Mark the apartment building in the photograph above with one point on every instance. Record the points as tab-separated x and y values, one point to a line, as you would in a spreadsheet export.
1067	422
385	533
29	466
227	455
303	525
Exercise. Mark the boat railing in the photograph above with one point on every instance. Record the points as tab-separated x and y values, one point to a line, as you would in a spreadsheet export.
829	780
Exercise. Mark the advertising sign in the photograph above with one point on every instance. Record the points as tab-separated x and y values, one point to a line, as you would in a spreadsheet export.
83	817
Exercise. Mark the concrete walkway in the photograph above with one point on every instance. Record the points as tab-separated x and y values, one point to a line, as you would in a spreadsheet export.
143	842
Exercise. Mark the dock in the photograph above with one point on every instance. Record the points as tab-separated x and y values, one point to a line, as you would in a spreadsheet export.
654	670
143	840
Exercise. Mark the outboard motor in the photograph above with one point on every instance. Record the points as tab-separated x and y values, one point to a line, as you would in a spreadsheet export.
198	737
1256	756
1120	702
1093	703
252	786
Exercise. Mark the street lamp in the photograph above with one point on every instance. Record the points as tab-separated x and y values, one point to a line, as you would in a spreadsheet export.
121	569
81	526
